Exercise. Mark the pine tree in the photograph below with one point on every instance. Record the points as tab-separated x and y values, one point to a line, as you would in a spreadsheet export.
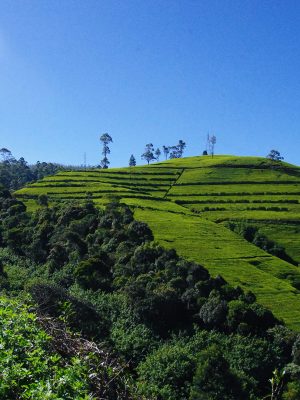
132	161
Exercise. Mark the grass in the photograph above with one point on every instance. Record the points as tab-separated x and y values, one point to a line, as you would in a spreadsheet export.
225	253
285	234
242	189
185	202
236	175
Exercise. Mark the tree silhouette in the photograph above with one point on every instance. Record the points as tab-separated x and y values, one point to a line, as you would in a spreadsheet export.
157	154
132	161
105	139
148	155
181	146
177	151
275	155
166	150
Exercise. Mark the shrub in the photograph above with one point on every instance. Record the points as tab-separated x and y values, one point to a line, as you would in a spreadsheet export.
29	369
80	315
214	380
95	273
167	372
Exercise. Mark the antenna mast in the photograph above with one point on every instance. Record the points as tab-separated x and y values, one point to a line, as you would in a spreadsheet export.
207	142
84	160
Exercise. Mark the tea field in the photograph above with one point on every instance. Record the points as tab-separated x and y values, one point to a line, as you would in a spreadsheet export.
187	203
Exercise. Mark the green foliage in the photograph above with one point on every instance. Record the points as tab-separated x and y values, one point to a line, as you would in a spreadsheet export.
214	380
292	391
250	360
296	351
80	315
94	273
105	138
274	155
132	161
29	369
16	173
43	200
132	338
167	372
97	272
148	155
214	310
253	235
108	250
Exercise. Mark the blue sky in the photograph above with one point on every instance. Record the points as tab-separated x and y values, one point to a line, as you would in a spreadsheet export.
148	71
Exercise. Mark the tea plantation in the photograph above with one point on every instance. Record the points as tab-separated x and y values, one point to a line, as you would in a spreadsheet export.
188	204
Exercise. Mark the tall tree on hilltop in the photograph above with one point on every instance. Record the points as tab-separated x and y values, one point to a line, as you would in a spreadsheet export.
157	154
105	139
275	155
177	151
148	155
181	146
174	152
132	161
166	150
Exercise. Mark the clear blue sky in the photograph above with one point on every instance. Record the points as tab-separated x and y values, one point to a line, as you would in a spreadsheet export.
148	71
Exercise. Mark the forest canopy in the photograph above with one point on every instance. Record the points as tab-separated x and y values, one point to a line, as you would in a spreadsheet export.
164	318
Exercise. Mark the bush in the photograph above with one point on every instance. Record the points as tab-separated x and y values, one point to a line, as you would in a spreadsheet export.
214	310
29	369
167	372
214	380
80	315
95	273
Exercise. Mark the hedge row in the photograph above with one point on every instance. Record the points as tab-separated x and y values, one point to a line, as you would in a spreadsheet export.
235	194
237	183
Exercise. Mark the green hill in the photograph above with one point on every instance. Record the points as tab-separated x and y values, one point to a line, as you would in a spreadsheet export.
187	203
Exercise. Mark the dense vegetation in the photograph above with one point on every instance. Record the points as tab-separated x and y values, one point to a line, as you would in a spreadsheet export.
165	327
187	202
14	173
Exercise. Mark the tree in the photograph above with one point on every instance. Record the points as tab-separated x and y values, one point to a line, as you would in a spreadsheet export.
43	200
181	146
174	152
214	310
213	379
166	150
105	139
148	155
277	384
177	151
157	154
6	154
212	140
132	161
274	155
95	272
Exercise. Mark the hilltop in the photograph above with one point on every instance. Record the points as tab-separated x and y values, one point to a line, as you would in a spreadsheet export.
188	202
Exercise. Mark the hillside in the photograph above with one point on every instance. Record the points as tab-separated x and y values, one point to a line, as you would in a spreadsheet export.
186	203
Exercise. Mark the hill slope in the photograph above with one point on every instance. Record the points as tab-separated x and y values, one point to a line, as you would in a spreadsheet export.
186	203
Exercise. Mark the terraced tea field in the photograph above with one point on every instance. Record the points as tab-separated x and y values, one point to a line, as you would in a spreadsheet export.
187	203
